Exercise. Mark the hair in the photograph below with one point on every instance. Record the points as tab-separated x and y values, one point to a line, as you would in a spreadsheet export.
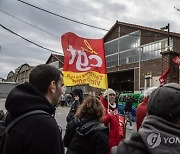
78	92
42	75
91	109
1	114
101	93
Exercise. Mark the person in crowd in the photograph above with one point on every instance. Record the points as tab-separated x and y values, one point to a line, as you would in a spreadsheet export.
78	98
160	130
1	114
142	107
86	134
37	133
70	99
100	95
128	110
63	100
112	119
117	98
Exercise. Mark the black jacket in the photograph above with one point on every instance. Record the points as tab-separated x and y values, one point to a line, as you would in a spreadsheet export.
128	105
86	137
157	136
72	110
34	134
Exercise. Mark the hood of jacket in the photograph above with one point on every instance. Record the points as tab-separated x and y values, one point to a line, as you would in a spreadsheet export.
145	100
26	97
90	127
157	136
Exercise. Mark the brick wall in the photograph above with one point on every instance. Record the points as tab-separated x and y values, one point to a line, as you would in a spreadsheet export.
148	37
176	44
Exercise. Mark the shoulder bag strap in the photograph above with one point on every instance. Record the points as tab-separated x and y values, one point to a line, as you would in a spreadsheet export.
25	115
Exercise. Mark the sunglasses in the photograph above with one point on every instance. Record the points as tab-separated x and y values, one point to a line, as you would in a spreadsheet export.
111	94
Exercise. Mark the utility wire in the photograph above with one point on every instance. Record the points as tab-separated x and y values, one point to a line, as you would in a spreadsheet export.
77	10
32	41
81	22
29	24
177	8
41	30
62	16
29	40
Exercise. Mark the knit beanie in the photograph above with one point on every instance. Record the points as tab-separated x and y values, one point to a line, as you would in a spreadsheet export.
109	91
164	102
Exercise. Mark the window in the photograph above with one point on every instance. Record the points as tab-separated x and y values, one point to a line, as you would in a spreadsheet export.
126	49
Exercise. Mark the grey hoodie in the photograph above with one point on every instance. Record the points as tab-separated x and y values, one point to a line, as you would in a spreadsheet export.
157	136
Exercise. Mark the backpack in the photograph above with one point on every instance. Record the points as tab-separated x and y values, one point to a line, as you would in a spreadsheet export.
4	129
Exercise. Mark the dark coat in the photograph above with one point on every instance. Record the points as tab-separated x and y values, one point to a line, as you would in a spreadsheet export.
86	137
128	105
72	110
35	134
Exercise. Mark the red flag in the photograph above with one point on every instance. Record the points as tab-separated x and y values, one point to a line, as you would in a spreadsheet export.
176	60
162	77
84	61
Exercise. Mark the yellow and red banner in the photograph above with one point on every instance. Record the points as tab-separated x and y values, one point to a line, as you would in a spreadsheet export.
84	61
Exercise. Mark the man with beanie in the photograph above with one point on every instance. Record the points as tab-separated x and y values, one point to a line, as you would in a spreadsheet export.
112	118
160	131
78	98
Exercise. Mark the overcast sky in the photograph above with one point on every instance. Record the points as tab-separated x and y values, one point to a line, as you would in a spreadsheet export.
46	29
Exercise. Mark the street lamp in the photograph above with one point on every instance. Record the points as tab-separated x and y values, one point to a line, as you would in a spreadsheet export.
164	28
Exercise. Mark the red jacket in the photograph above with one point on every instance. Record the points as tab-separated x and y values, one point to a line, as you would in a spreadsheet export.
113	121
141	112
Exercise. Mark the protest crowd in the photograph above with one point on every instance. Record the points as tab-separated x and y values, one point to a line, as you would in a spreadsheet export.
94	125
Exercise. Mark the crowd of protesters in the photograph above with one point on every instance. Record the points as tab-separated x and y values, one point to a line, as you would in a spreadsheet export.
153	124
93	123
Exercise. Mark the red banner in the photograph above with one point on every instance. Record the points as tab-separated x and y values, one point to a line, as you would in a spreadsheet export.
162	77
84	61
176	60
